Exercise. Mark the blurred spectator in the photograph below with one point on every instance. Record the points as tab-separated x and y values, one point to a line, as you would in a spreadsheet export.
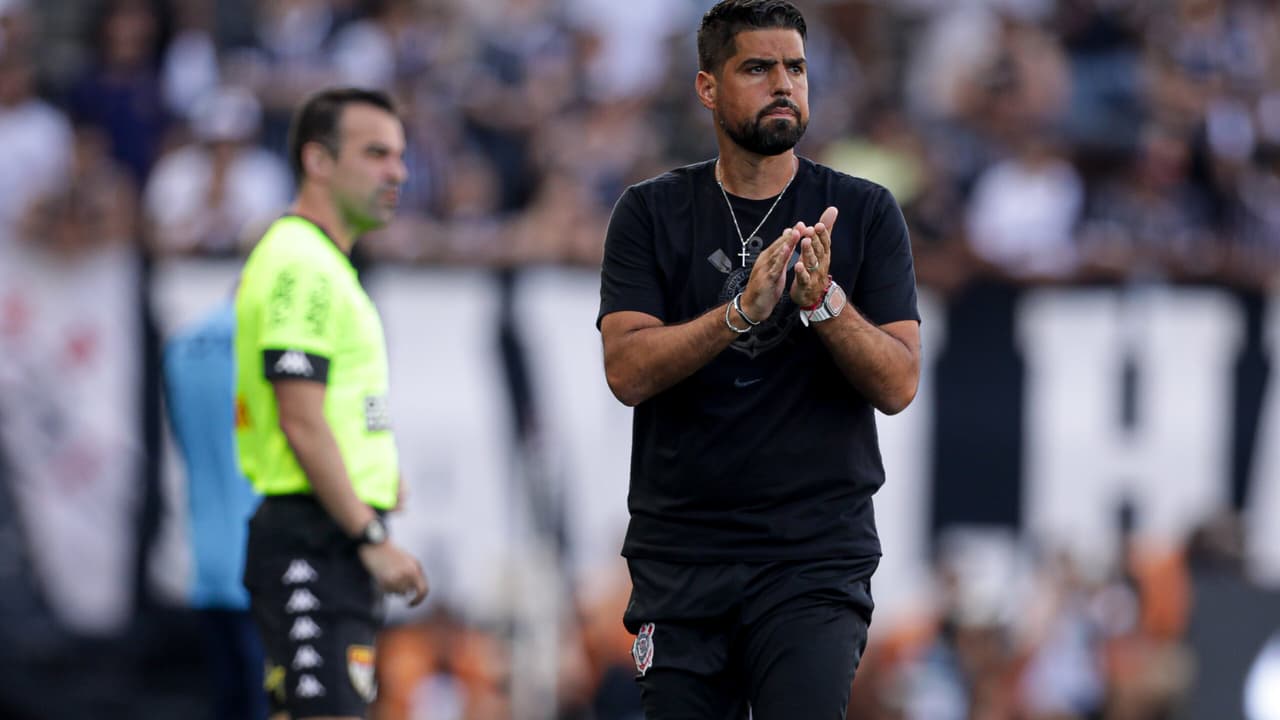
287	61
518	78
623	43
1103	40
190	69
35	138
119	89
15	25
1151	221
1023	213
1201	50
1253	254
218	193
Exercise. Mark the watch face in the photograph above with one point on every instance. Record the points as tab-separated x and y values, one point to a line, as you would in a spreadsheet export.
835	300
375	532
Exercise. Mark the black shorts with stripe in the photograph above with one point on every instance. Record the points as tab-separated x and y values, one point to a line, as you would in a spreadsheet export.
316	607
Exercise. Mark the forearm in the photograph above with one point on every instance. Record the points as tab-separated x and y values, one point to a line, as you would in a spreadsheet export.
880	366
318	454
643	362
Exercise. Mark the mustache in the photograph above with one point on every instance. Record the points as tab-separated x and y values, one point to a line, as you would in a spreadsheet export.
780	104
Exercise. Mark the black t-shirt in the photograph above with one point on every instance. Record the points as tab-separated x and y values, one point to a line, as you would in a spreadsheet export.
767	452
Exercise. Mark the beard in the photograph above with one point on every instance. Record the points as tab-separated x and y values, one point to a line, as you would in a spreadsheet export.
768	137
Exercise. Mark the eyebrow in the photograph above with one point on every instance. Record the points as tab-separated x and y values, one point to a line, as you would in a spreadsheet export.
381	147
770	62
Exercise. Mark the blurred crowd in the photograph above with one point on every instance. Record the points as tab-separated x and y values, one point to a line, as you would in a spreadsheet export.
1029	141
1039	140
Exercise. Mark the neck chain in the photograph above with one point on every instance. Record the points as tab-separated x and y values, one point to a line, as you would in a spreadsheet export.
753	237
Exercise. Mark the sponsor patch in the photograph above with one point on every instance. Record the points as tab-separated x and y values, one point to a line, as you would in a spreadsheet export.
377	415
642	648
273	680
360	669
242	413
281	303
317	316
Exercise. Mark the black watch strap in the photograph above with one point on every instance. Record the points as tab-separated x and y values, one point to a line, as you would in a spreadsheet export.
373	533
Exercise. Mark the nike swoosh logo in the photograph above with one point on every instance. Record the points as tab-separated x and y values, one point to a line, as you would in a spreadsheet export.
740	383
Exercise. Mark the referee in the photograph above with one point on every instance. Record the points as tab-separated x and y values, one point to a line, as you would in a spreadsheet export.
312	419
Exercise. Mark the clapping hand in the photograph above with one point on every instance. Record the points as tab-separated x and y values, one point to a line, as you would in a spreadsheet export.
814	266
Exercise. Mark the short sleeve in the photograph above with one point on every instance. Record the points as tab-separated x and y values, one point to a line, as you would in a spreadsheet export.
629	278
300	322
886	288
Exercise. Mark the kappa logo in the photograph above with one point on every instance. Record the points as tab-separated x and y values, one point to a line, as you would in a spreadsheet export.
301	601
307	658
309	687
642	649
294	362
304	628
300	571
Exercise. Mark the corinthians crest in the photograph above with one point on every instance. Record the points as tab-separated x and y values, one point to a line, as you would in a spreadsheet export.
642	648
771	331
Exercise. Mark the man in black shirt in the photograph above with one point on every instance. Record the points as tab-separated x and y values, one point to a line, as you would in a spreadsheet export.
755	371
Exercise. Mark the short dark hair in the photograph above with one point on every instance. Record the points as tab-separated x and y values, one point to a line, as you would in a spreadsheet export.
317	120
727	18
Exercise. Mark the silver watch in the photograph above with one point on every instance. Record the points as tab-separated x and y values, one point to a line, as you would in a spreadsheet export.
832	304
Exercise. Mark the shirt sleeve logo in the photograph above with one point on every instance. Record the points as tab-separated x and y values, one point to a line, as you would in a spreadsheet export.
317	316
281	302
294	364
377	414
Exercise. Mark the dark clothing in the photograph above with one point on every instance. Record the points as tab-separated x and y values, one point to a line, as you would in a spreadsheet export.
785	637
716	459
316	606
234	652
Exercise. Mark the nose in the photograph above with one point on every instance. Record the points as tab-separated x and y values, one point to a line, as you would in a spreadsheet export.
399	171
782	81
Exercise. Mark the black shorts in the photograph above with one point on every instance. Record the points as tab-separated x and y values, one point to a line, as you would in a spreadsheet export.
316	607
780	639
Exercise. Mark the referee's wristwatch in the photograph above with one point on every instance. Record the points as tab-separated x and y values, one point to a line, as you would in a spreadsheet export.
833	302
373	533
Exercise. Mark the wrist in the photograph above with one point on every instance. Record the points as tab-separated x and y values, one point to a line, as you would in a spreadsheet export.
735	308
372	533
830	306
818	303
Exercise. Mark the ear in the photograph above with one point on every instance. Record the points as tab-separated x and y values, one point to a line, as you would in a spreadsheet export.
705	85
316	160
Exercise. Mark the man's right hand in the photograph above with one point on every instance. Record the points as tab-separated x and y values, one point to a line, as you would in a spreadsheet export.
769	274
395	570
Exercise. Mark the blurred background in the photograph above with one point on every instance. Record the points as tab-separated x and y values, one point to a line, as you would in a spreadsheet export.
1079	518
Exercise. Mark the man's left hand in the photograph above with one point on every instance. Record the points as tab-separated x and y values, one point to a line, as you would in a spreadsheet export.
813	268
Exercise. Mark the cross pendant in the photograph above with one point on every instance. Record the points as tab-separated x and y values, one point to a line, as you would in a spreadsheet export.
744	255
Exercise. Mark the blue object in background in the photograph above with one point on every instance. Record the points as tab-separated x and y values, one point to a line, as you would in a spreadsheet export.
199	374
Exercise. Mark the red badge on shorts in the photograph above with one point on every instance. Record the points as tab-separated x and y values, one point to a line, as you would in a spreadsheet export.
360	659
642	649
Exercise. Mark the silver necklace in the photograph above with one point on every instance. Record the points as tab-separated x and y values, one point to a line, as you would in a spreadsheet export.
753	239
